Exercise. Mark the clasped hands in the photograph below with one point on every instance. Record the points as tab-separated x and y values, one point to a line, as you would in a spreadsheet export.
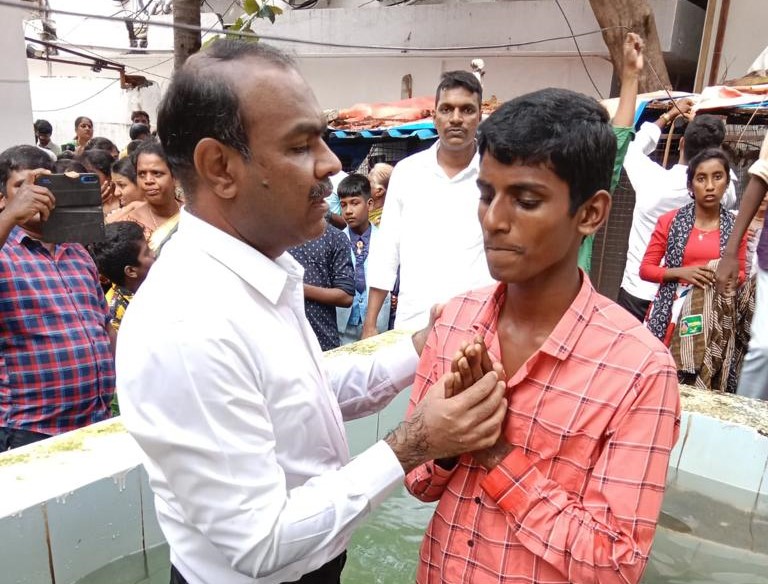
471	367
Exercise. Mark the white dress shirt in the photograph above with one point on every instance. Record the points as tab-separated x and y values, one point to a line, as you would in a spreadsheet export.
429	227
223	385
657	191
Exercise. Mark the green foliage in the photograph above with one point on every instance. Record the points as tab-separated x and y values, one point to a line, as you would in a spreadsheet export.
253	9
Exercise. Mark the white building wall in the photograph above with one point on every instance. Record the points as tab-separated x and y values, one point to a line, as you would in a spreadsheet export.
14	83
342	76
745	38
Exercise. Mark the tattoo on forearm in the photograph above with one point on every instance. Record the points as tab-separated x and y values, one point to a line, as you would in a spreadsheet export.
410	442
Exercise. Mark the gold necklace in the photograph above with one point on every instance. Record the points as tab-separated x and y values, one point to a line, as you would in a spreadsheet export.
152	216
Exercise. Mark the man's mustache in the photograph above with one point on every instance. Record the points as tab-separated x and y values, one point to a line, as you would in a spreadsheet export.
321	190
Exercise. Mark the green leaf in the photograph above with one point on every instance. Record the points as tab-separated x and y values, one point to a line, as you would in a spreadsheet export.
265	12
276	10
251	6
238	24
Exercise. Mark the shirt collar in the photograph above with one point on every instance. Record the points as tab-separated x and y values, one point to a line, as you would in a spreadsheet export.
472	168
267	276
563	338
18	235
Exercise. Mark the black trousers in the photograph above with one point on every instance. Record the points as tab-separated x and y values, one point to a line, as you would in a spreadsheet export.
637	307
13	438
329	573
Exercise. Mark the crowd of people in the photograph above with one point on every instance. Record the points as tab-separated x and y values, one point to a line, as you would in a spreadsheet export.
542	414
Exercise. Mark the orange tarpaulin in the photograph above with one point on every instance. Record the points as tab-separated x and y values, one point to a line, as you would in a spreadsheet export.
373	115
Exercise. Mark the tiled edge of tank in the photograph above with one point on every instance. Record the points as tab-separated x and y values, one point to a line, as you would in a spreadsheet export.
72	504
724	438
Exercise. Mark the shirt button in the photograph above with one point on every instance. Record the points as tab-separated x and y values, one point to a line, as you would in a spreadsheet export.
477	500
470	543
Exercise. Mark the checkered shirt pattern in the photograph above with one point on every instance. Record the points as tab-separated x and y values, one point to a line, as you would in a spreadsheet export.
56	366
593	416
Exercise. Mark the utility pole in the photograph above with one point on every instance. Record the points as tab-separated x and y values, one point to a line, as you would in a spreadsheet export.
185	42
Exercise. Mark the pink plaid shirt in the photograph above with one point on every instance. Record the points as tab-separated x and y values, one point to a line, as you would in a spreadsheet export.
593	416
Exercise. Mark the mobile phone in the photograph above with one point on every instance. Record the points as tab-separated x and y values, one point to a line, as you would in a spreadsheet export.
78	216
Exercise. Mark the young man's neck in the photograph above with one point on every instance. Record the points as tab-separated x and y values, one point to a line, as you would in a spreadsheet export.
454	161
539	304
362	228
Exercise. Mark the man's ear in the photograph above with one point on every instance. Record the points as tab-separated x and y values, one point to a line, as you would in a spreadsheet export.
131	272
594	212
218	167
370	203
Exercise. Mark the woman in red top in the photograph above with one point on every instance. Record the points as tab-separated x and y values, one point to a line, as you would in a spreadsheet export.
687	239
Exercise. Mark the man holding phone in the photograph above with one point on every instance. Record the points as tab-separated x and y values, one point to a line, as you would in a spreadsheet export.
56	364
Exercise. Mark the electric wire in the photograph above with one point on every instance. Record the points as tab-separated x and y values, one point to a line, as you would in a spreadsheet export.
578	49
401	49
102	90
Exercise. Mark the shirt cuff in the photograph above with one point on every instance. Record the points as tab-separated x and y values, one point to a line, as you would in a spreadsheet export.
377	472
512	484
400	362
652	129
383	279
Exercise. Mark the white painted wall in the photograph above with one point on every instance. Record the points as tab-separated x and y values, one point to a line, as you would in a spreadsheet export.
745	38
343	76
14	85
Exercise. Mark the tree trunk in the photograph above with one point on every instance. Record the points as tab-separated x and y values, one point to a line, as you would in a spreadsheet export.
637	16
185	42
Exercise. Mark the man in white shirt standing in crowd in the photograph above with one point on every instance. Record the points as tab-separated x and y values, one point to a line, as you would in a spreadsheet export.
659	190
238	415
429	224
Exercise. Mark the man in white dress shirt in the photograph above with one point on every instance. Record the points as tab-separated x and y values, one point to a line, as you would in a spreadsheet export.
429	224
659	190
239	417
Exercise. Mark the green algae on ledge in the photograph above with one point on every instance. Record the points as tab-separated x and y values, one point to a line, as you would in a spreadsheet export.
727	407
69	442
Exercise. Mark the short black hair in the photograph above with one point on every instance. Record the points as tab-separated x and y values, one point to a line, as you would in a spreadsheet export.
97	159
139	113
150	147
43	127
464	79
354	185
100	143
79	119
132	145
126	168
200	102
703	131
22	157
703	156
120	247
137	130
564	130
68	165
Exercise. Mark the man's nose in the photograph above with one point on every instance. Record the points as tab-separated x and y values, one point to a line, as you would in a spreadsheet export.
327	164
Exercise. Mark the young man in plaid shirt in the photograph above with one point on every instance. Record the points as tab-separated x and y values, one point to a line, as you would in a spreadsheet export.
572	490
56	367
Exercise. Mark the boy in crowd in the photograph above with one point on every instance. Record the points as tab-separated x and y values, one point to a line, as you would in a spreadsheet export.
328	282
571	491
355	196
124	258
